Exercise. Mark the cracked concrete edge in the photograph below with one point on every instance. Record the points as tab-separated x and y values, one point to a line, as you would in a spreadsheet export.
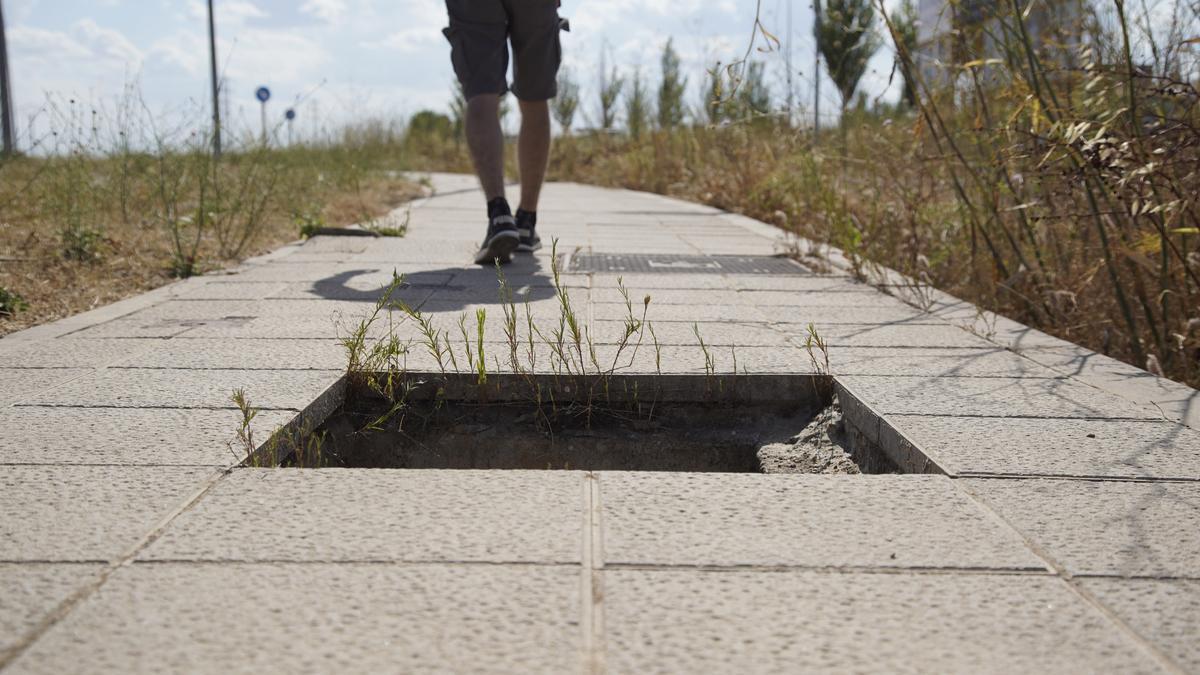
875	427
312	416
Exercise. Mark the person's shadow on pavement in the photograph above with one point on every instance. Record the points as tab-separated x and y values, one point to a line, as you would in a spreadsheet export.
453	287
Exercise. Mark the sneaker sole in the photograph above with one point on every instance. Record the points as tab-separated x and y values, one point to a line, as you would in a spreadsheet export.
499	247
529	248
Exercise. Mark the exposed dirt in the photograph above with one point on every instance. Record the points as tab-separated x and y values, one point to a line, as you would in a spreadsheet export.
820	448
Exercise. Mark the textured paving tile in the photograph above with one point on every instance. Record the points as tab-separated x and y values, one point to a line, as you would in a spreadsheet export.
208	353
137	388
1177	401
681	313
377	514
721	333
86	513
130	436
1104	527
739	622
168	319
1164	612
18	383
72	353
320	618
678	359
230	290
31	591
817	521
933	362
1062	447
991	397
890	335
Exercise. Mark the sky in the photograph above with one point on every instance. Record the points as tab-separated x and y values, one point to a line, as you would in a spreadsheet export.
339	61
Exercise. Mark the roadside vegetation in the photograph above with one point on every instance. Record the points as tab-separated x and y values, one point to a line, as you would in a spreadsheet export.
109	204
1053	179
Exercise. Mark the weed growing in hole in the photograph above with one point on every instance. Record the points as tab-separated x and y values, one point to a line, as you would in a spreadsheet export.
814	344
245	435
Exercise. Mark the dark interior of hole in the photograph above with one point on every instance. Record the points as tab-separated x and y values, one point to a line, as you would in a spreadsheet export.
702	437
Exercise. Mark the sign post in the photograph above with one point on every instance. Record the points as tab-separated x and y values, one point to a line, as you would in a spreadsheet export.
8	142
263	95
216	90
291	117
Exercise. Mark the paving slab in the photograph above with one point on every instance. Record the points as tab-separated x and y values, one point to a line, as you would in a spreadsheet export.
806	621
132	437
168	319
382	515
716	334
1057	447
231	290
320	618
888	335
1117	528
18	383
175	388
990	397
31	592
251	354
807	521
87	513
933	362
1166	612
1177	401
71	352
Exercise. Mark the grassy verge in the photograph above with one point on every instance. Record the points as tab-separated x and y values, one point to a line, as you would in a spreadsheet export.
94	218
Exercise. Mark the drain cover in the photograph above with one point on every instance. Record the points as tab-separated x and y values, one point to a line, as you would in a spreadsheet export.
683	264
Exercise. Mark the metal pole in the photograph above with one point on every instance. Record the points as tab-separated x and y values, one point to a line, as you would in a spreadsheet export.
8	146
264	122
816	69
788	59
216	88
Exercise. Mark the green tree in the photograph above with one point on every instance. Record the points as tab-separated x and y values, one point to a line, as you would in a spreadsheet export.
671	89
712	103
430	124
904	21
637	106
846	39
566	103
611	84
754	96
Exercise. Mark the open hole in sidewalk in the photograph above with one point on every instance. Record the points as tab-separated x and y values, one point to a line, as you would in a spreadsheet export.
744	424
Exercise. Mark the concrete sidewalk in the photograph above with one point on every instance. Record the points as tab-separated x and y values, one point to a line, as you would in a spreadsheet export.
1055	524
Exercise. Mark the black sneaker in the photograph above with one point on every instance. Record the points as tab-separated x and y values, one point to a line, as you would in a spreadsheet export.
527	227
502	239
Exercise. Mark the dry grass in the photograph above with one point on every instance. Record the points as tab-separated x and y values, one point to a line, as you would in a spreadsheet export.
95	222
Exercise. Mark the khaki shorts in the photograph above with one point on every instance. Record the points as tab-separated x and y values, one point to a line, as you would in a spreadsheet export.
479	33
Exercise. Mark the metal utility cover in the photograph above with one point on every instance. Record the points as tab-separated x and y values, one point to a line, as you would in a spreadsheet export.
683	264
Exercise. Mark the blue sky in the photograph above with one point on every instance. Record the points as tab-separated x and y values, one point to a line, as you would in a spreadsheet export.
351	59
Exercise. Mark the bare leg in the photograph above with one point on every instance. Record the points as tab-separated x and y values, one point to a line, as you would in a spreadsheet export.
486	142
533	150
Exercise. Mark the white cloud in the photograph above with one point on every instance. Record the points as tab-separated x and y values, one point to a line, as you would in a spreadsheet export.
329	11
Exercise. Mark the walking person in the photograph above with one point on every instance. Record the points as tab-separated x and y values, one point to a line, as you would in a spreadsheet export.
480	33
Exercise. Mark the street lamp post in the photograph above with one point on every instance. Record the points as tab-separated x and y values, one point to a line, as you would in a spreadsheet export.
8	142
216	89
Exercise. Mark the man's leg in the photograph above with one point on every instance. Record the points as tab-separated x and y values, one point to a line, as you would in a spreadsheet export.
533	151
486	141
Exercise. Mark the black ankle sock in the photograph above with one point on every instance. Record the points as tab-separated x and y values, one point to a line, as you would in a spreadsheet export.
530	216
498	207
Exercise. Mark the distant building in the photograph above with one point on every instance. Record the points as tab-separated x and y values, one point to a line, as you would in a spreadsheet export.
953	32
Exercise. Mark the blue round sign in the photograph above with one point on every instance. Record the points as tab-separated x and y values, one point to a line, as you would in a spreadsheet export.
263	94
290	114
